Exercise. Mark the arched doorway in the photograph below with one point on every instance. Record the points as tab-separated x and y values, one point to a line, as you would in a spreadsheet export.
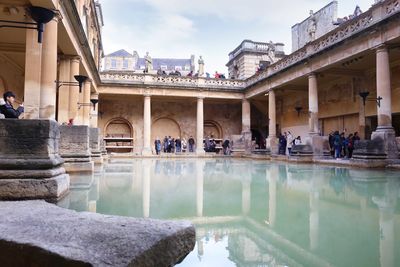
213	130
118	135
165	127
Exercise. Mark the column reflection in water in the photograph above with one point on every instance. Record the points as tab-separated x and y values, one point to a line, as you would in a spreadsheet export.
80	185
246	195
314	209
146	168
272	177
387	205
199	187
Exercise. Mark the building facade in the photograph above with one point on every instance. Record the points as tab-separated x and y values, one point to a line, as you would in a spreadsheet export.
250	57
122	60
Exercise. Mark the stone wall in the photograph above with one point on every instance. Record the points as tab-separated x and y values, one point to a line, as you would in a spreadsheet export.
171	117
320	22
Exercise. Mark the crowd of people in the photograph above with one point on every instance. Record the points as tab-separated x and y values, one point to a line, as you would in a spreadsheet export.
286	142
177	145
342	146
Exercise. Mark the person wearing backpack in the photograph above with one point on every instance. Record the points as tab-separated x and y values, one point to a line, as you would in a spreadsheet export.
337	143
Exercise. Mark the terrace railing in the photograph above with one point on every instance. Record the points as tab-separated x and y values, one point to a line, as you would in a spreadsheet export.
170	81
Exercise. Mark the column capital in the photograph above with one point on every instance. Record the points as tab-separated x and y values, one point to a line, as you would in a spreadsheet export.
312	75
381	48
70	57
147	95
201	97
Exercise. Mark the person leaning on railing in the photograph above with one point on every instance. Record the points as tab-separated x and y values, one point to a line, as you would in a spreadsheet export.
6	106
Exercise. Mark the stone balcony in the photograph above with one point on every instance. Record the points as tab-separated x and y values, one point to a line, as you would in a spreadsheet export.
133	78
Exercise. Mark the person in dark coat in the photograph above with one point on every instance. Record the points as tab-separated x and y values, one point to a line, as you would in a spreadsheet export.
191	144
7	109
157	145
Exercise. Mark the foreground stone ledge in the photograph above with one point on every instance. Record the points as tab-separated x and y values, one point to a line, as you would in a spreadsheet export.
36	233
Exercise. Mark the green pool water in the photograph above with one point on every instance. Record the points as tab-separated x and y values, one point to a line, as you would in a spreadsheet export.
255	213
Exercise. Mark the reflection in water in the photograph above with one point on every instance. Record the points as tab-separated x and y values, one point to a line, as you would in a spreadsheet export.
256	213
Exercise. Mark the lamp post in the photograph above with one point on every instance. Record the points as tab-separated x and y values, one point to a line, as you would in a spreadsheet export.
40	15
364	95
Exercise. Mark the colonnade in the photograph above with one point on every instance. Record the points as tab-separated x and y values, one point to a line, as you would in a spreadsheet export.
383	88
147	121
43	67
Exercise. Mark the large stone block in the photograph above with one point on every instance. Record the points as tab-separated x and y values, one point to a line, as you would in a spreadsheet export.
95	149
35	233
382	146
30	166
75	148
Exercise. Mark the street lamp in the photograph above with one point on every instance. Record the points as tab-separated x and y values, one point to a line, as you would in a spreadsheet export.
40	15
364	95
93	102
80	80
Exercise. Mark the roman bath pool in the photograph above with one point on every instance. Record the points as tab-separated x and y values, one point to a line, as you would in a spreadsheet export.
255	213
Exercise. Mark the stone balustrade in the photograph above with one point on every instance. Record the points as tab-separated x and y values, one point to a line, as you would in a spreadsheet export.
169	80
378	13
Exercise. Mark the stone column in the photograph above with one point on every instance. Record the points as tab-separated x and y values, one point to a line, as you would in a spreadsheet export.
313	104
86	100
94	111
361	119
272	142
246	119
147	126
73	90
63	91
33	57
272	114
383	89
49	71
385	133
200	126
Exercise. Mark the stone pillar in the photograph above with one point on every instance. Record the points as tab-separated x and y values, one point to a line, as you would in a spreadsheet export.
147	126
33	57
63	91
94	111
200	126
73	90
361	119
199	188
246	117
313	104
383	88
95	150
30	165
49	71
86	108
272	142
384	135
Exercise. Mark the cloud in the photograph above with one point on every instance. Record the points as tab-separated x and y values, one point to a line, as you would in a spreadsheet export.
212	28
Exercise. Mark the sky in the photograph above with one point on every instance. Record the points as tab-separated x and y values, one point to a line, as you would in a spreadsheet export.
211	28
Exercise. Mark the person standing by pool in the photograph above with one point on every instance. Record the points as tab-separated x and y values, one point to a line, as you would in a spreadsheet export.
337	143
165	144
178	145
191	144
226	146
289	141
157	146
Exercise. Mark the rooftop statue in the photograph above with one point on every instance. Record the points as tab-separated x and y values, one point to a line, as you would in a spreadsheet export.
148	63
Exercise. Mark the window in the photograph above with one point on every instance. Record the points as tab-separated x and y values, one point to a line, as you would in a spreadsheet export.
113	63
187	67
164	67
125	64
142	67
178	68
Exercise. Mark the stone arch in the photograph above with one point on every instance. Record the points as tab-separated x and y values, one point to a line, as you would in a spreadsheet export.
213	129
165	126
119	126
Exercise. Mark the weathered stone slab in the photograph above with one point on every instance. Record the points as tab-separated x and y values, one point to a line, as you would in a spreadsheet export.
30	166
36	233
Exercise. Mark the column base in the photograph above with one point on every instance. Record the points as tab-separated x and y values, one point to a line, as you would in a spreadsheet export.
247	142
146	152
382	146
272	145
84	166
